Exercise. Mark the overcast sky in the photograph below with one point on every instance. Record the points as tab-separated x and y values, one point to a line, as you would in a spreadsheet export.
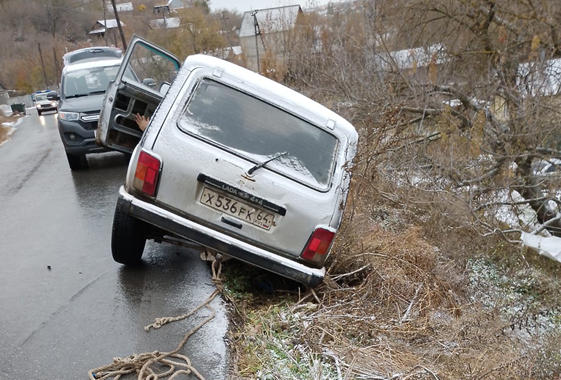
247	5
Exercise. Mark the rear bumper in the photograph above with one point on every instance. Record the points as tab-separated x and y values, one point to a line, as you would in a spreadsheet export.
218	241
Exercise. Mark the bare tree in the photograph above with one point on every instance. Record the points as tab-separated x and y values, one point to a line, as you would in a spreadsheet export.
458	100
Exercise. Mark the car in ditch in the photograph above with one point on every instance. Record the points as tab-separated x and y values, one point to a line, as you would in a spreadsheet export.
230	160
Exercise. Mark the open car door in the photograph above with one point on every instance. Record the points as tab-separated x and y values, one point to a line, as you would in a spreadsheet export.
143	78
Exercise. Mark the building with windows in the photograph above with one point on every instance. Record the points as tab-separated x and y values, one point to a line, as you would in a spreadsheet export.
268	33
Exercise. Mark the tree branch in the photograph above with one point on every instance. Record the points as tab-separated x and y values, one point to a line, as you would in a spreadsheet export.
524	202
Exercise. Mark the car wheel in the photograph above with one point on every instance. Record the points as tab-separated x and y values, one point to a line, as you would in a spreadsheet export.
39	113
77	162
128	238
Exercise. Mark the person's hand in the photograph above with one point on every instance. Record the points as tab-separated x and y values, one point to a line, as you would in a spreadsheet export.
142	121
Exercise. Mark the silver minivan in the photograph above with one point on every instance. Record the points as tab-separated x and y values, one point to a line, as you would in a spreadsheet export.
230	160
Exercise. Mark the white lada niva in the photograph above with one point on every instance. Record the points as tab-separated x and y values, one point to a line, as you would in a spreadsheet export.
230	160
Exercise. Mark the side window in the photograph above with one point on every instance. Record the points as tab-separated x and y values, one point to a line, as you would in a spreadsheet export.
150	68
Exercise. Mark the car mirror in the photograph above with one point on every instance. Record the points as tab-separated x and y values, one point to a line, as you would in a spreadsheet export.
164	87
149	82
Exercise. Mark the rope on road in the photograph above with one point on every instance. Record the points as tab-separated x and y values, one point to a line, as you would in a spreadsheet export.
175	363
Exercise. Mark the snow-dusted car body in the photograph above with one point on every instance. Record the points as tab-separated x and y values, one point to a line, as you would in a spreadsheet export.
234	162
95	53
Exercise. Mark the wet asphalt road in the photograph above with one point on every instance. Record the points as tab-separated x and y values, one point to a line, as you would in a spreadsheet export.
58	323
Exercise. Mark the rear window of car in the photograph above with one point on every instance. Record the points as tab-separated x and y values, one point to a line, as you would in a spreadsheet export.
259	131
88	81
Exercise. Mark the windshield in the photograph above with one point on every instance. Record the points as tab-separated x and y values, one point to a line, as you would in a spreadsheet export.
259	131
41	97
88	81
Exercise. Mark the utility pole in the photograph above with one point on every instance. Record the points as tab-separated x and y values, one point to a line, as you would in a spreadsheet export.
43	64
118	26
224	18
193	30
57	68
105	20
257	30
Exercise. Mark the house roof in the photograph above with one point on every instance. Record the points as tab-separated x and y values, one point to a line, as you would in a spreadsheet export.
173	4
410	58
111	24
121	7
224	53
540	78
167	23
270	20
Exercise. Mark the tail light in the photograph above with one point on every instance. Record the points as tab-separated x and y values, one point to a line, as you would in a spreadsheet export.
318	246
147	173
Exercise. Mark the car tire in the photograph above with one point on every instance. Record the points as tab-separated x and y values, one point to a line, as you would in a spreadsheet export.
39	113
77	162
128	238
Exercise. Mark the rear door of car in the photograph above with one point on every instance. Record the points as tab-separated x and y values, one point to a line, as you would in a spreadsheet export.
143	78
261	198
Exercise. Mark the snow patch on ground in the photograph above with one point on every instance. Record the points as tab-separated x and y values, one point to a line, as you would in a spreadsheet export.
513	293
6	110
12	126
549	246
521	216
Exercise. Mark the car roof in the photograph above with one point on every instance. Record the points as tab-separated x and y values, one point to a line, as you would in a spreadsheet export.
91	64
95	53
274	92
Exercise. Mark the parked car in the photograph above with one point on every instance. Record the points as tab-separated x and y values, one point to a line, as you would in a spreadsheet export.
92	54
82	91
230	160
46	102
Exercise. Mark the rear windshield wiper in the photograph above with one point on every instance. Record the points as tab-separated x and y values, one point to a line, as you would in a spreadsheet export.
258	166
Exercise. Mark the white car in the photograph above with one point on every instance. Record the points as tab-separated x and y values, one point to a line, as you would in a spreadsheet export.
230	160
46	102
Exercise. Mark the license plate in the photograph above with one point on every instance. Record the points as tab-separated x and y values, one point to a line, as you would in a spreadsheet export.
237	209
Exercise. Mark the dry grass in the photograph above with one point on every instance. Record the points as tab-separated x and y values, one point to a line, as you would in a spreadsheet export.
406	300
412	292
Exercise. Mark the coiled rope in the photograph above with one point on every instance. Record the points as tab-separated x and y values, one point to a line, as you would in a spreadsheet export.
176	364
